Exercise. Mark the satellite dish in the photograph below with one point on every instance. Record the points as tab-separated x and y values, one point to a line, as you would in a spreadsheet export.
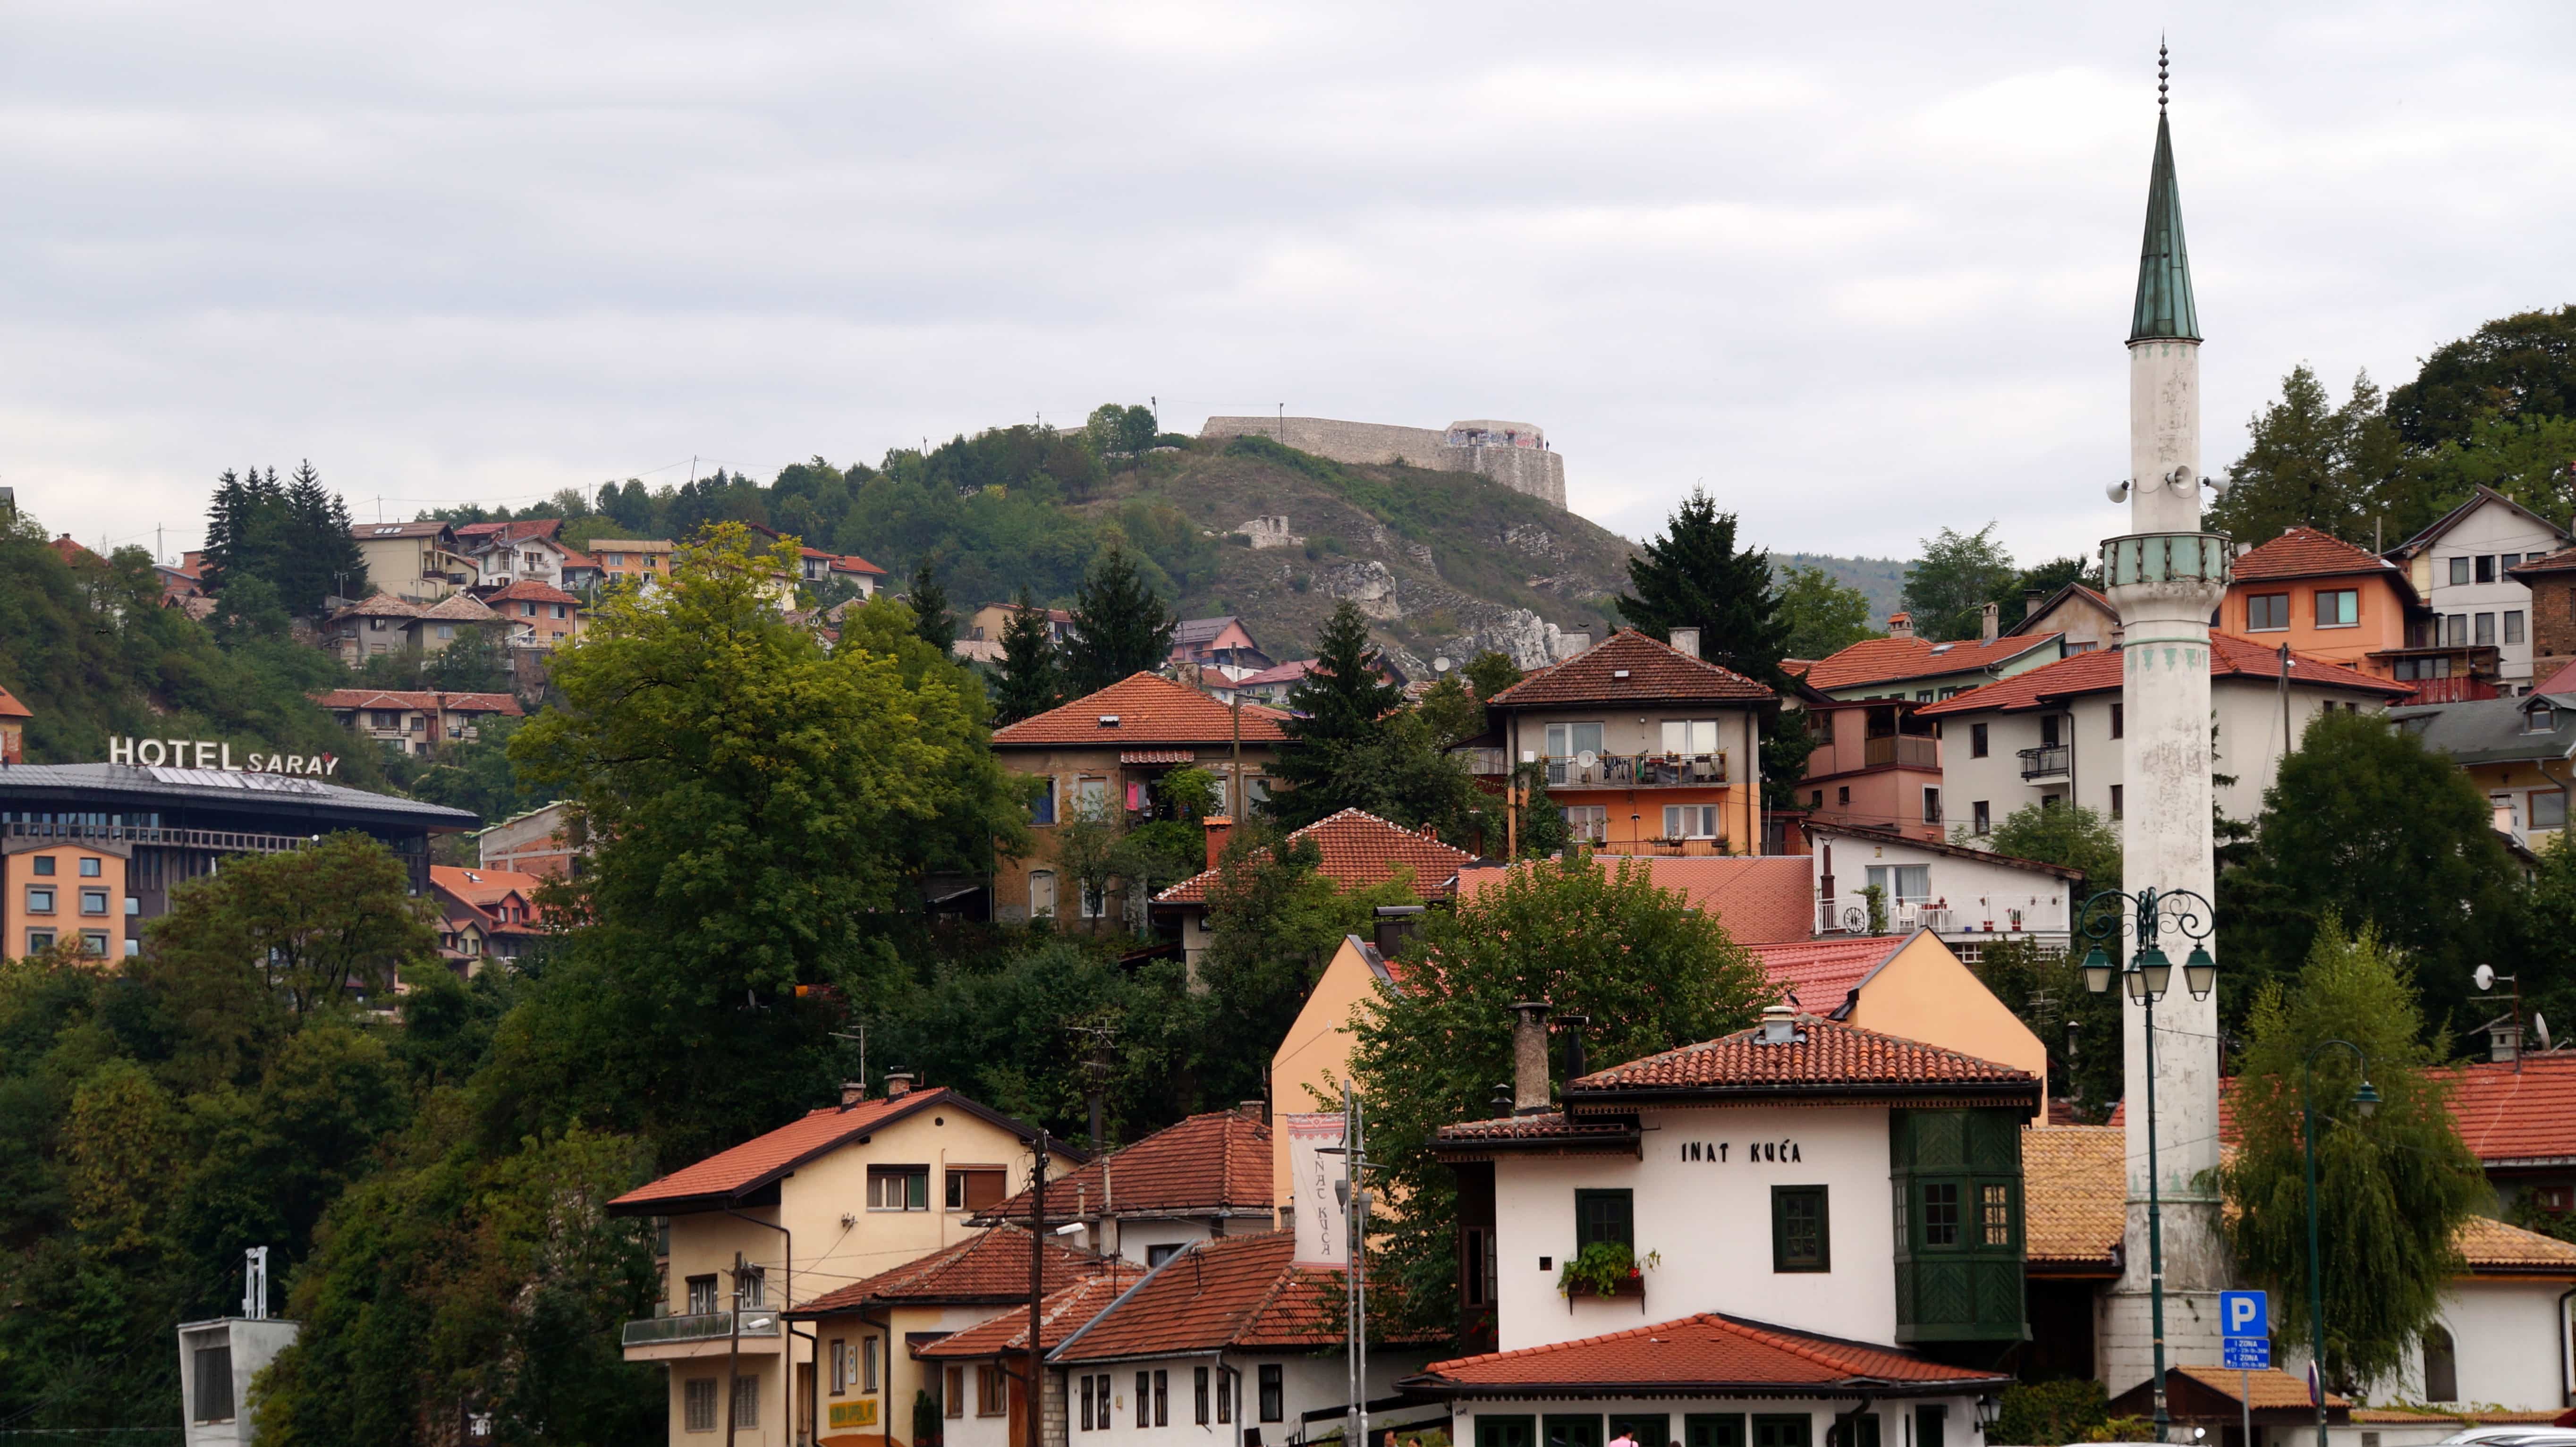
2540	1027
1586	759
2485	976
1442	664
2117	491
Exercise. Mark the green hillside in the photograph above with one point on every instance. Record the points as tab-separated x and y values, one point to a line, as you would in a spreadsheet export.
1881	580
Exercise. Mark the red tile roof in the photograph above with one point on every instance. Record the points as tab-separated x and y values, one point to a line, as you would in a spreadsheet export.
765	1158
1230	1292
1060	1315
1360	849
530	590
2099	672
2507	1115
1289	672
424	700
1827	1057
1703	1355
1627	667
989	1266
10	707
1547	1133
1761	900
1884	660
853	563
2303	552
1819	975
1150	710
2564	560
485	888
1217	1164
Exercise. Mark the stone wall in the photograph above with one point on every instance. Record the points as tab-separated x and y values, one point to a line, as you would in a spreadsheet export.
2553	623
1533	471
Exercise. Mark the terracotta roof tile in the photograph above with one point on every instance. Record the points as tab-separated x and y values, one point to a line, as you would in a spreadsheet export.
2562	561
764	1158
459	608
2303	552
2270	1389
1818	975
1150	710
1628	666
1360	849
1289	672
1212	1164
2492	1247
423	699
1884	660
987	1266
2099	672
1232	1291
853	563
2075	1194
1551	1130
10	707
481	887
529	590
379	605
1060	1315
1826	1056
1707	1354
2506	1114
1761	900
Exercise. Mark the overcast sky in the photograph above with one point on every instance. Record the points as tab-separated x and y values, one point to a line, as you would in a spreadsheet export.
1862	270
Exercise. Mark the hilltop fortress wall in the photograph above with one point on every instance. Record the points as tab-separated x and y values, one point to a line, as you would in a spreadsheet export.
1514	454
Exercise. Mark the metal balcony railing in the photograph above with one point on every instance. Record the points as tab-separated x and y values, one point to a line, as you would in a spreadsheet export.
703	1326
2047	761
1917	753
1637	771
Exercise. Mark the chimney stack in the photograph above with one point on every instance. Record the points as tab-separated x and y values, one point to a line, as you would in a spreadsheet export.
1993	621
1686	640
898	1084
1529	1058
1254	1110
1575	1069
1900	625
1779	1025
1395	926
1219	827
2504	1040
2031	598
853	1092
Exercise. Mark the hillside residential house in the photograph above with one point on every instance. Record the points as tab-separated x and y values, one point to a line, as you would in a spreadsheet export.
75	892
526	550
1908	981
2337	603
418	562
872	1378
183	585
2055	734
417	721
387	624
540	615
848	1191
2519	752
1969	897
1762	899
2551	580
980	1370
1907	665
542	842
1807	1203
985	624
1228	1341
485	914
2078	614
1220	645
2500	1341
1204	1177
815	566
632	560
1359	850
1103	755
1876	762
1648	747
2463	567
13	728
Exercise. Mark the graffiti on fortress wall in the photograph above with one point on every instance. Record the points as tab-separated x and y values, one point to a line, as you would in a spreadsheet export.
1514	454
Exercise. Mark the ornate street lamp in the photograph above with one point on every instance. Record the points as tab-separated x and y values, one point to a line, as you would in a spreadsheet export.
2365	1102
2106	919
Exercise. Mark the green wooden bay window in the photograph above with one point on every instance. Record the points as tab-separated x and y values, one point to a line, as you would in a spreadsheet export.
1958	1207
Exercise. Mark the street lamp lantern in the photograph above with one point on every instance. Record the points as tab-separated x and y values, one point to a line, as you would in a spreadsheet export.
2156	971
2365	1100
2097	970
2200	973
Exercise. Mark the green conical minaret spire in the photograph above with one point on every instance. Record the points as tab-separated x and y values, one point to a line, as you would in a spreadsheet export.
2164	310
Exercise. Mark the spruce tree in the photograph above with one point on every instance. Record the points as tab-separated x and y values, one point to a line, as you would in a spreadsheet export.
1354	745
1693	576
1032	676
320	558
932	623
1119	626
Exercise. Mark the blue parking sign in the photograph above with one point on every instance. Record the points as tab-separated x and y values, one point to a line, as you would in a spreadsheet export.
2244	1314
2245	1353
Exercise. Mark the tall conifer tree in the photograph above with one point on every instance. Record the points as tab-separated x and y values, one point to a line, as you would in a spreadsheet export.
1032	676
1120	626
1693	576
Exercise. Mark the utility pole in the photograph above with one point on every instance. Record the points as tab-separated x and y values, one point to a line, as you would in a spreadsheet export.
733	1352
1037	1289
1234	801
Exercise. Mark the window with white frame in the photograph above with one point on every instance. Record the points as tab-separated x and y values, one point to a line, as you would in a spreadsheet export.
1041	893
869	1379
1690	821
1564	742
1589	822
1690	736
1903	883
898	1188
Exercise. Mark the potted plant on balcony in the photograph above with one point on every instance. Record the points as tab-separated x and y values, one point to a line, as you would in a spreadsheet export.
1606	1269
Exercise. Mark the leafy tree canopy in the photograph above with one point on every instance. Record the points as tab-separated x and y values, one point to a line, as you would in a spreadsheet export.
2044	580
2514	367
2067	834
1693	576
1823	616
1947	589
2311	463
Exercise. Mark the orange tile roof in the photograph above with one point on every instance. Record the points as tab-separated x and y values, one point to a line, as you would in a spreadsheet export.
1627	667
853	563
529	590
479	886
764	1158
1150	710
2507	1115
1060	1314
2492	1248
1819	975
2270	1389
1827	1057
1217	1164
1760	899
1703	1355
2564	560
10	707
1884	660
2075	1194
1360	849
2099	672
422	699
1232	1291
2303	552
989	1266
1546	1133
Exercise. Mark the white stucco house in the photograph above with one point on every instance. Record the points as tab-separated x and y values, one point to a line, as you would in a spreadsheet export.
1969	897
2461	566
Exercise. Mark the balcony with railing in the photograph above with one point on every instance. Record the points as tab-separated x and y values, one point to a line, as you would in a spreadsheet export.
2049	763
1905	750
758	1323
1636	771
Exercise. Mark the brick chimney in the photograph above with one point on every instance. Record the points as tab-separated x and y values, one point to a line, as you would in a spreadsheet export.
1993	621
1218	828
1529	1058
1900	625
1686	640
853	1092
1395	926
898	1084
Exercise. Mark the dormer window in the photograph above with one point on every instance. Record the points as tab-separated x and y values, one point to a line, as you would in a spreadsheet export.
2540	718
1109	720
1618	673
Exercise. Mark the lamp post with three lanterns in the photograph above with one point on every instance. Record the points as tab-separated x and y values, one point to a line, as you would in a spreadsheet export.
2107	919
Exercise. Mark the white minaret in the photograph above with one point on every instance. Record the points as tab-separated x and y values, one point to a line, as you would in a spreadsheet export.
2166	578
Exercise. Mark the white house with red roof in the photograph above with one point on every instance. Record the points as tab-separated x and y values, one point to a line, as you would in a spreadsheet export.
1969	897
525	550
417	721
539	614
2056	734
1359	850
1195	1180
980	1370
1741	1243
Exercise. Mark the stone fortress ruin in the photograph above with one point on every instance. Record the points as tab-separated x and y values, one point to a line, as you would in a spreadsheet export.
1514	454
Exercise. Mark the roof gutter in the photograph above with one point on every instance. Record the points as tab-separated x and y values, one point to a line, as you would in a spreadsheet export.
2001	1094
1868	1388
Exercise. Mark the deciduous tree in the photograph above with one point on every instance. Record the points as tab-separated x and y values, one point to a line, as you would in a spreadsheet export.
1947	589
314	924
1823	616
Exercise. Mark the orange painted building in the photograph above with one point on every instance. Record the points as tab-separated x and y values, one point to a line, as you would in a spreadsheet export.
66	892
13	728
2337	603
1875	764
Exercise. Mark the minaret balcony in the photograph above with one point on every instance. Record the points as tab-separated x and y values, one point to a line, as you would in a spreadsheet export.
2152	558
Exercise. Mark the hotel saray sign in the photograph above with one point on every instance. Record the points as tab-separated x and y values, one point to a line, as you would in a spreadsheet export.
214	754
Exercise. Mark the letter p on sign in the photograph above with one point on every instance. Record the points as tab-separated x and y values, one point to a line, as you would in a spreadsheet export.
2244	1314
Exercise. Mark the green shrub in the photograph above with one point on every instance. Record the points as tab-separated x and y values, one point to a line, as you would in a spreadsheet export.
2049	1414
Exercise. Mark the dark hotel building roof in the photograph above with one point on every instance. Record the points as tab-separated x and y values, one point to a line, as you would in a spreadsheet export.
279	803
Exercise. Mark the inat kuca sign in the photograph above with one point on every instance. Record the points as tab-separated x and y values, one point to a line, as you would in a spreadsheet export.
212	754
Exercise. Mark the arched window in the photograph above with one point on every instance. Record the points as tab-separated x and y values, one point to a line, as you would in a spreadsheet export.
1041	893
2441	1366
